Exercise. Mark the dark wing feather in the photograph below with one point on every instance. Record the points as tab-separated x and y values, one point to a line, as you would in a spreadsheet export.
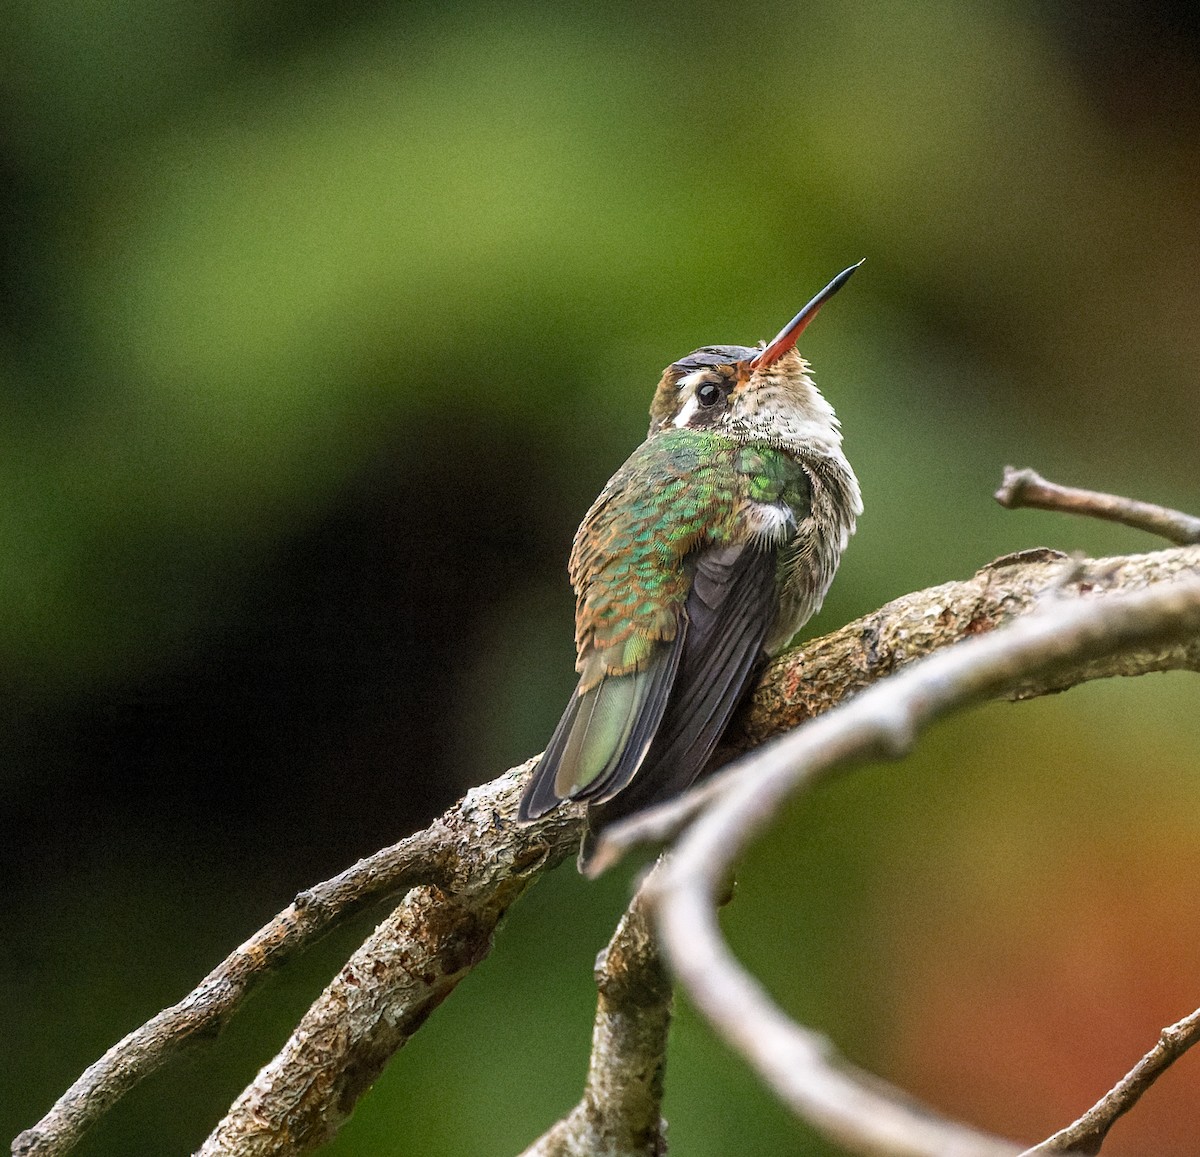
730	609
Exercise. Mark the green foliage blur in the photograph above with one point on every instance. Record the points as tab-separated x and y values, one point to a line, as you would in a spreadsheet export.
321	325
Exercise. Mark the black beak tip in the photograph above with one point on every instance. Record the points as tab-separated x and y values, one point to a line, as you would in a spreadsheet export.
844	276
786	338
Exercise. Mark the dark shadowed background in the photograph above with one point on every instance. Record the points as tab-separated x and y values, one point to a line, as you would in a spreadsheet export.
321	324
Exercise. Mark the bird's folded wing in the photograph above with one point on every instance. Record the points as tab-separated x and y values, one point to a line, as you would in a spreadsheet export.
730	609
646	735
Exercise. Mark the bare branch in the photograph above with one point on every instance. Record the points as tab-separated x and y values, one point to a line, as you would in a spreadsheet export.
1027	488
620	1112
382	995
1087	1134
809	680
860	1112
469	850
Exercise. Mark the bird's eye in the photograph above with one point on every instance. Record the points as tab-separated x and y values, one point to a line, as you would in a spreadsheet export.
708	394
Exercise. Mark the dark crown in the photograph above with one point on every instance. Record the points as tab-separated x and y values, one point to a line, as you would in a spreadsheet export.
713	355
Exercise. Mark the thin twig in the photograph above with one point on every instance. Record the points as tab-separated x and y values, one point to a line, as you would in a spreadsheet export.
1027	488
856	1111
382	995
1086	1135
203	1012
620	1113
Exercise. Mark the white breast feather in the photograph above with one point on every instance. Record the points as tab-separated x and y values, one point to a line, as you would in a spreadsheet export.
770	521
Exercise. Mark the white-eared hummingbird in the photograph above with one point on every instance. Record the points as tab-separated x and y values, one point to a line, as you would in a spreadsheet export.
704	554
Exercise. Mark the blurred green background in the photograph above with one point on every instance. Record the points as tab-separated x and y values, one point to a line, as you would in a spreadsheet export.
321	324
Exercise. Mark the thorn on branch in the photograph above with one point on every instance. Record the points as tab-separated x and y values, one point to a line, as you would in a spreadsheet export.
1074	570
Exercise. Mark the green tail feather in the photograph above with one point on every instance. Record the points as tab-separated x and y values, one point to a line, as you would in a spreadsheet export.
601	729
603	735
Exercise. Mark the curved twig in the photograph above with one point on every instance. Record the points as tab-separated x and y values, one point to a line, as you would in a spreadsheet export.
857	1111
467	852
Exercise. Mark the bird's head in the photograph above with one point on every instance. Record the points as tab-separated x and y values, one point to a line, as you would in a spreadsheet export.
764	393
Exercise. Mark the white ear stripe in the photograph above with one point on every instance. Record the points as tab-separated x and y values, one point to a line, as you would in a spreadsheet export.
685	415
689	407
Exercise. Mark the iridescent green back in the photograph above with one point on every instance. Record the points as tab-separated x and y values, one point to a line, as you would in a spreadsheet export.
680	490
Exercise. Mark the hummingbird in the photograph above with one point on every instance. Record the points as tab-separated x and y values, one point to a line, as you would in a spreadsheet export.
705	552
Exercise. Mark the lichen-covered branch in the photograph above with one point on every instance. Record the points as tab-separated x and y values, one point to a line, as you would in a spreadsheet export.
808	680
381	996
468	852
1065	637
620	1113
471	852
399	975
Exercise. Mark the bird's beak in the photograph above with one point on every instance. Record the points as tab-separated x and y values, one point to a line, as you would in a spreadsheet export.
786	338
